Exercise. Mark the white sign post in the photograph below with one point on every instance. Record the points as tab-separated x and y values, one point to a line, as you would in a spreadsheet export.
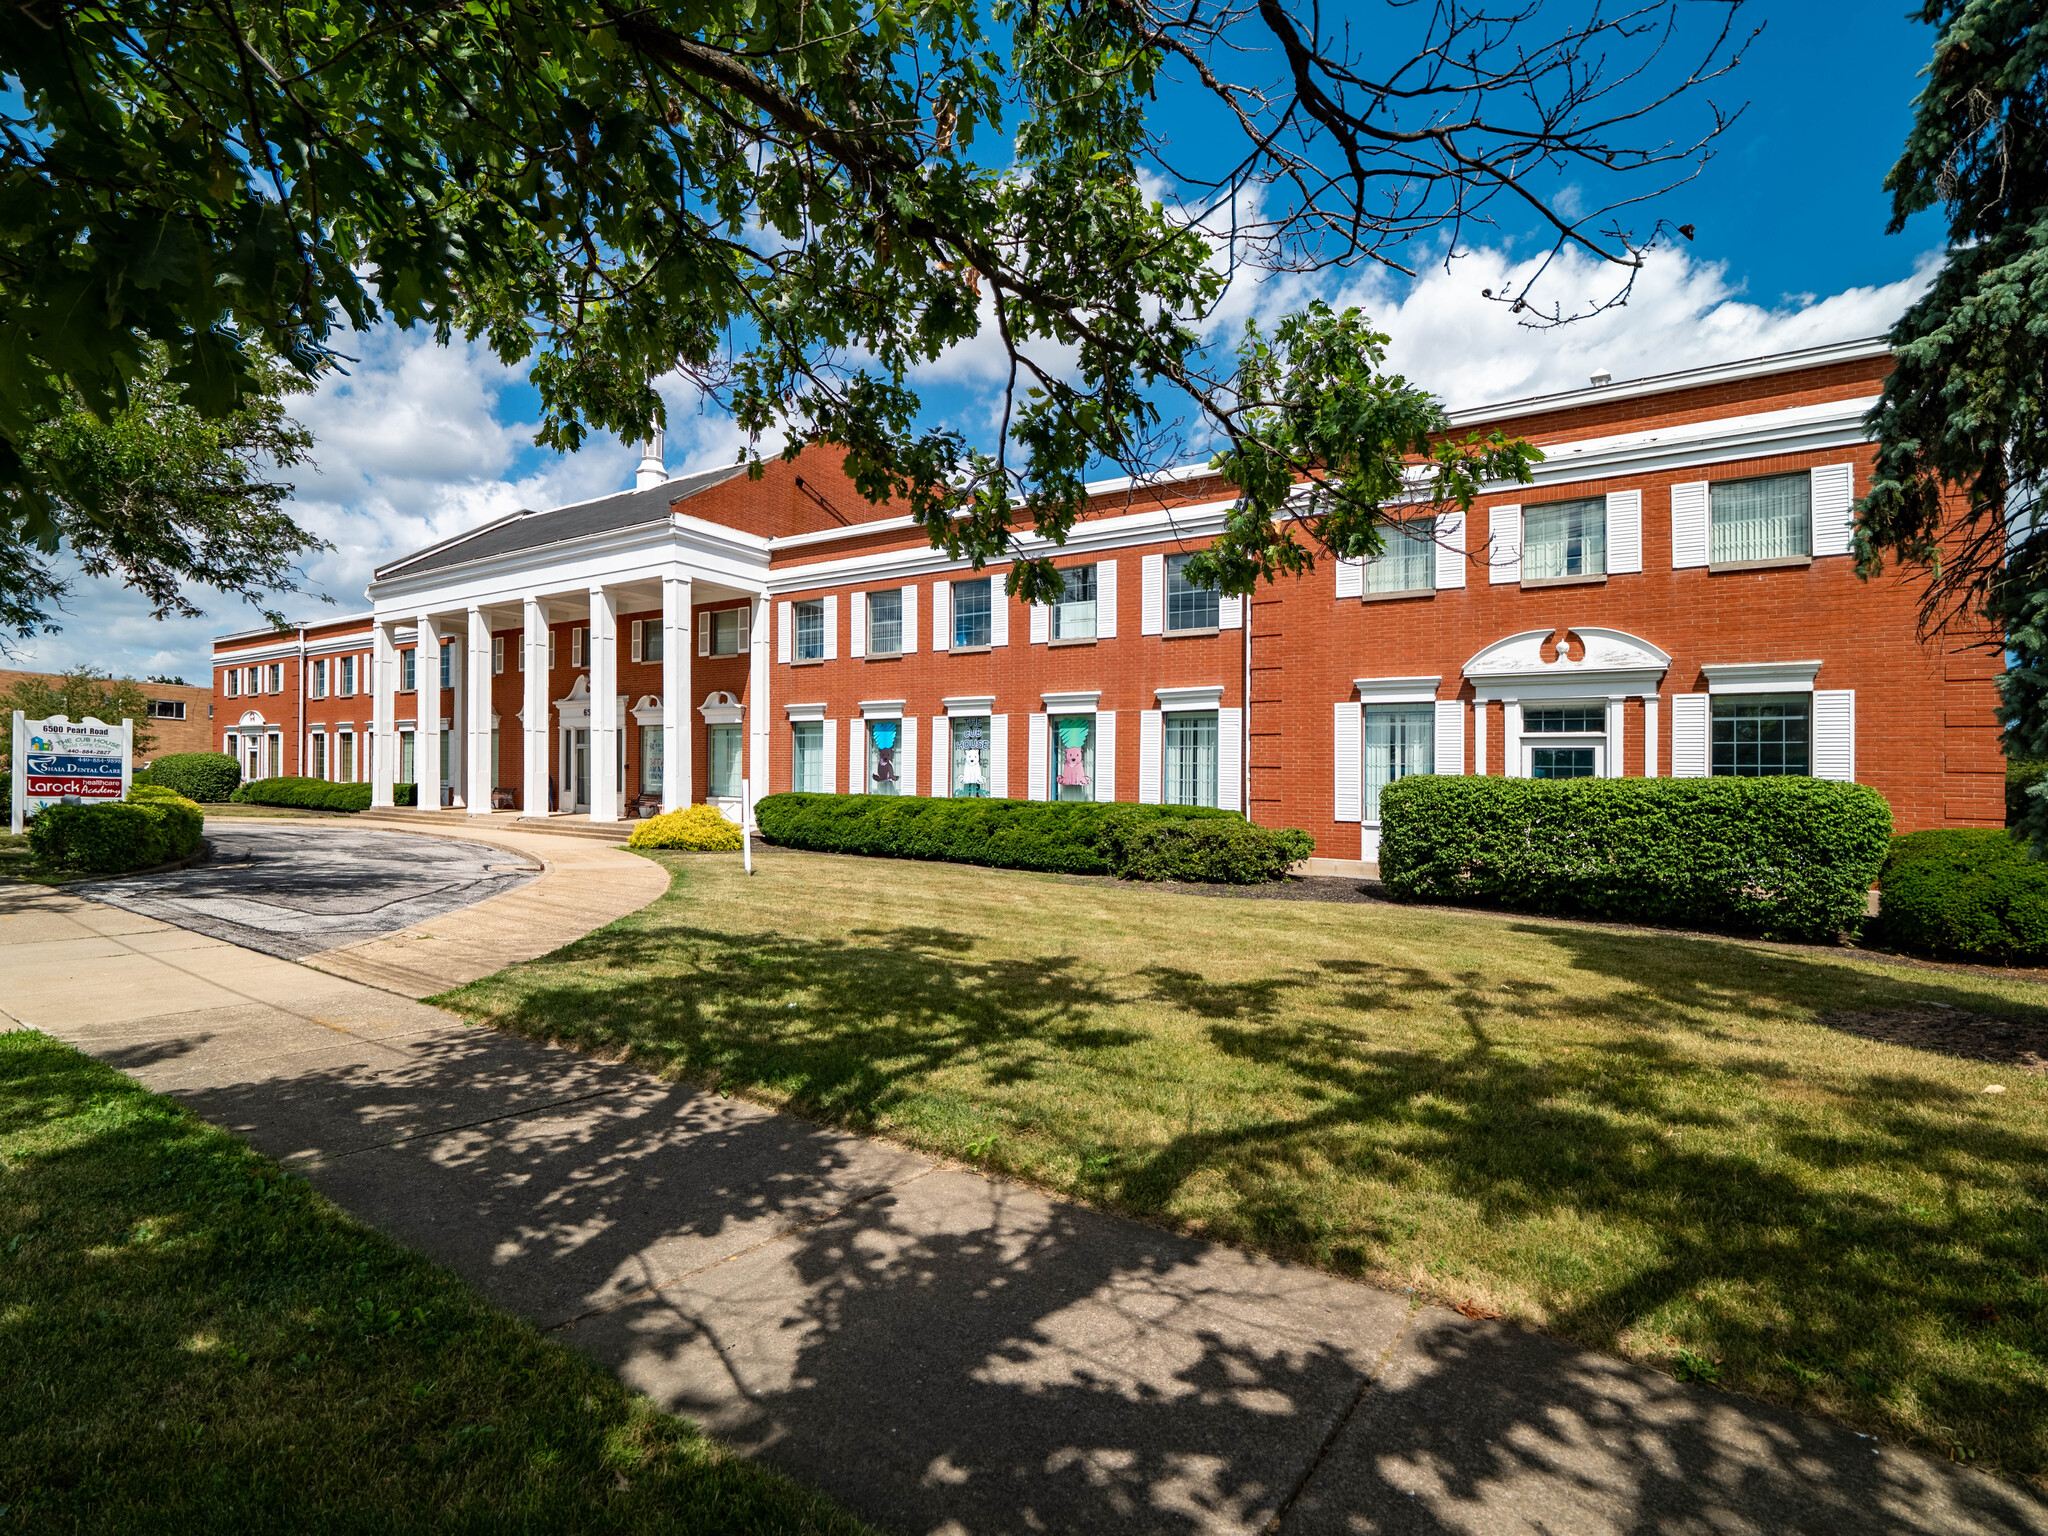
746	827
58	762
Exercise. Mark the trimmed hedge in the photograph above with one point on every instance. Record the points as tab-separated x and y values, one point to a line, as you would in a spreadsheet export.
206	777
1965	895
699	828
310	794
154	826
1141	842
1786	857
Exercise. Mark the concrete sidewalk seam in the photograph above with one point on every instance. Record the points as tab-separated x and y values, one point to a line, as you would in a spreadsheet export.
1274	1526
656	1287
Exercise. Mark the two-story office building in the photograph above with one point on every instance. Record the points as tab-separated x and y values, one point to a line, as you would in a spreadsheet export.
1673	595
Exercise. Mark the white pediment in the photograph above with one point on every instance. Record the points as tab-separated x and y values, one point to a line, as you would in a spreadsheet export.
1602	650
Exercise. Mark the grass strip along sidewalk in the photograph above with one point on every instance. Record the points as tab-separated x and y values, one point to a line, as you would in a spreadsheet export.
195	1341
1646	1142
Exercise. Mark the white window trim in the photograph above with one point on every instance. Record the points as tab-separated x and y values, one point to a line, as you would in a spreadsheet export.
1761	676
1180	700
1531	740
1397	690
967	708
796	712
1072	703
881	709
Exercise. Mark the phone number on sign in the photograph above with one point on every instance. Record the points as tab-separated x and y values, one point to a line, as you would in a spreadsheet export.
86	789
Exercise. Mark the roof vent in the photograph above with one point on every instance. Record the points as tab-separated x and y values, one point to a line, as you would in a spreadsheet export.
652	471
1603	377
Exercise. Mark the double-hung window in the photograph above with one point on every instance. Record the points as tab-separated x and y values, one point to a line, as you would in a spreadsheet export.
234	682
1190	763
1073	757
971	759
320	679
348	677
1762	737
1563	539
1765	519
319	757
973	613
277	677
1400	739
885	623
1073	615
1408	563
810	630
1565	759
650	758
447	663
345	757
408	671
723	778
885	747
721	633
407	772
1188	606
807	743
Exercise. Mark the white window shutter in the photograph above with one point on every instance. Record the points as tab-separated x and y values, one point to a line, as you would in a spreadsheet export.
1151	596
856	757
576	646
1350	784
831	757
998	611
1041	624
746	636
1350	577
942	757
1834	734
552	635
906	758
1151	744
785	632
1230	760
1833	504
1624	533
1691	716
1450	549
1504	560
832	627
1105	599
638	638
703	638
1034	757
942	615
1689	536
1230	611
1450	737
999	750
1105	755
909	620
857	631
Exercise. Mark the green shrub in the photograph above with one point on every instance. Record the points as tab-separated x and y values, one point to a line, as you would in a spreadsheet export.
310	794
2021	775
154	826
1214	852
405	794
1790	857
1965	895
1066	837
700	828
207	777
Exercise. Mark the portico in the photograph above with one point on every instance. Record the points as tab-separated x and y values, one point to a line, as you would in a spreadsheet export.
576	632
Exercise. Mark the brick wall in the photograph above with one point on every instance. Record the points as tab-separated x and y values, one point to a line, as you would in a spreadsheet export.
194	733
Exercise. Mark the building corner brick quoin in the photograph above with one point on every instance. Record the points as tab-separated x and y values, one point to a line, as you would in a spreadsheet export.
1673	596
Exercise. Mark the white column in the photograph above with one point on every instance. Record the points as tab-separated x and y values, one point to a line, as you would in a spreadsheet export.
1650	736
426	735
458	716
534	707
676	650
383	712
604	689
757	700
1615	706
476	724
1479	714
1511	738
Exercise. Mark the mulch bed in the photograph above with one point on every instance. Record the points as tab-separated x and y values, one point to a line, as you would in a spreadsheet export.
1951	1031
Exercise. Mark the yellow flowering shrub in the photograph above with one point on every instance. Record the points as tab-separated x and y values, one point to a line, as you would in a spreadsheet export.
701	828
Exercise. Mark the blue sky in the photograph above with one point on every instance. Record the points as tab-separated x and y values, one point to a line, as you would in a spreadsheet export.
421	441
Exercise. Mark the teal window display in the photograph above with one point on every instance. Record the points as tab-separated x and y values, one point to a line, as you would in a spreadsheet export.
885	741
971	760
1073	766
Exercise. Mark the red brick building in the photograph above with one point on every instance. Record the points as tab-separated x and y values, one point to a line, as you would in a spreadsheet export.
1673	595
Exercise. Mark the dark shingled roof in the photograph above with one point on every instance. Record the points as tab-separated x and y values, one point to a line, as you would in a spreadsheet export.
531	530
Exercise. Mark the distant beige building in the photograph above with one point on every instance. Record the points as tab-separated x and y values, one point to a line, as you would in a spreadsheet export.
180	718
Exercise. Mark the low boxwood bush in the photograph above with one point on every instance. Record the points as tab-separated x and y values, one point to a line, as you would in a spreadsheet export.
207	777
1146	842
700	828
405	794
1790	857
1965	894
309	794
153	826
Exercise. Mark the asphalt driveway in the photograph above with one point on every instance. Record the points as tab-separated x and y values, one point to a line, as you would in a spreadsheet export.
296	890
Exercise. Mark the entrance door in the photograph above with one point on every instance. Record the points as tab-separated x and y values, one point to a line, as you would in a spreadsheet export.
579	768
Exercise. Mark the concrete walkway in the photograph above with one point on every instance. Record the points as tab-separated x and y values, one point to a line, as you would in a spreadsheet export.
941	1351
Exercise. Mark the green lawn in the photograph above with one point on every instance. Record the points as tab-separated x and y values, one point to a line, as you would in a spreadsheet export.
191	1340
1641	1141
